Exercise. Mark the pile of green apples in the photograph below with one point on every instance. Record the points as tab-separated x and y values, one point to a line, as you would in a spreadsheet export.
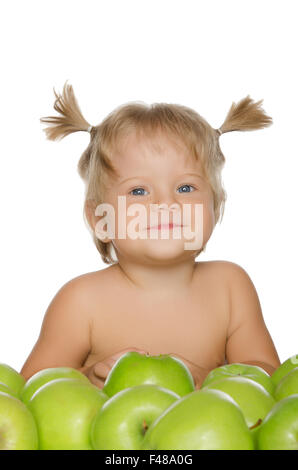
151	403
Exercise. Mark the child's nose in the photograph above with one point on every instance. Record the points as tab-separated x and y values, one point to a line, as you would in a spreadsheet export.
164	197
169	204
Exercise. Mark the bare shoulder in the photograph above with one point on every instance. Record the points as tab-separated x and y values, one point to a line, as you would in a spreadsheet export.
242	294
91	284
244	299
225	269
88	279
66	333
229	274
240	282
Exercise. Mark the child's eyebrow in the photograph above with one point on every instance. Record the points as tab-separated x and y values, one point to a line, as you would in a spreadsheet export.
140	177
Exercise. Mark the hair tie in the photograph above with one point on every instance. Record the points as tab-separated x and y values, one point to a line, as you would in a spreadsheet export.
219	131
89	129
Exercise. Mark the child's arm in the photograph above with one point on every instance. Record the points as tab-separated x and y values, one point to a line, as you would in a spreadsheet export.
248	340
64	338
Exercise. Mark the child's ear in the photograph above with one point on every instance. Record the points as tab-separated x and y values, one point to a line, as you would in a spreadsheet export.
90	206
90	212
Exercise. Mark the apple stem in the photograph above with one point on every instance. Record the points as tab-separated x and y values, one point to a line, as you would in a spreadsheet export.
256	424
145	427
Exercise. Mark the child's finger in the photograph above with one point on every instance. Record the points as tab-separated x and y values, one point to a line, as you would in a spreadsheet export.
101	370
96	380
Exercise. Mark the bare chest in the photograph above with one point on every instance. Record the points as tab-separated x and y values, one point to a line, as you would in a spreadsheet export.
193	324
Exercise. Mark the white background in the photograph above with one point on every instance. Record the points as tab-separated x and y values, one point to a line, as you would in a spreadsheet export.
202	54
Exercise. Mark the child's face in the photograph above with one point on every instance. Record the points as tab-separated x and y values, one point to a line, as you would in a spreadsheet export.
156	171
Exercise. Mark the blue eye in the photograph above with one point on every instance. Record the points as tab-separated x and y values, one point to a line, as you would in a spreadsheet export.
137	189
187	186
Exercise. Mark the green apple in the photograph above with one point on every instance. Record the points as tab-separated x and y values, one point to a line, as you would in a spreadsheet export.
5	388
255	402
287	386
278	431
201	420
11	378
284	369
255	373
18	429
46	375
134	368
64	409
123	420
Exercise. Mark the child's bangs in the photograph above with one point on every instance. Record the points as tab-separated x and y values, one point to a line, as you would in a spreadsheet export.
151	123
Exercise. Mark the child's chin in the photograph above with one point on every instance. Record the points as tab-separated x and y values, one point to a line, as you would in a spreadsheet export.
166	249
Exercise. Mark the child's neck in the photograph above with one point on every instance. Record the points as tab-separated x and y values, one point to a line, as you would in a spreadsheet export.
174	277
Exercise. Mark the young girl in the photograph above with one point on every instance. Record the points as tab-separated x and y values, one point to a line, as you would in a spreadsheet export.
153	297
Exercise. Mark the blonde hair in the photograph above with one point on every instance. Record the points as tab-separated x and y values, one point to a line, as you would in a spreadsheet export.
95	165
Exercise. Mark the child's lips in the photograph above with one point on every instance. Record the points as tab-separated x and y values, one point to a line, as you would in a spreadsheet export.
164	226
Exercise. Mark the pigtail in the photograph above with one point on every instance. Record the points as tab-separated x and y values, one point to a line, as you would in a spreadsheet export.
246	115
70	119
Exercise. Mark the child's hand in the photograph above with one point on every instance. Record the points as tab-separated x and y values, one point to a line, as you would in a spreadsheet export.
98	372
198	373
